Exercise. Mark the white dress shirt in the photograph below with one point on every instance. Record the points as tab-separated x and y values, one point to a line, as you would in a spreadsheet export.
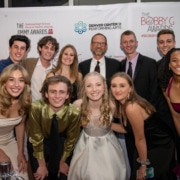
102	66
37	79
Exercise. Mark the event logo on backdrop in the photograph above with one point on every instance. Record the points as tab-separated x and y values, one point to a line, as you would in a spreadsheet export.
82	27
154	24
75	24
34	28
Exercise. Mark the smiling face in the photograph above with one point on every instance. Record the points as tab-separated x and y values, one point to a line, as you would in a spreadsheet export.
47	52
17	51
98	46
57	95
165	42
174	63
129	44
120	89
15	83
94	87
68	56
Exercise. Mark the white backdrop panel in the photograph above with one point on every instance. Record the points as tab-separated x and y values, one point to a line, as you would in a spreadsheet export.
77	24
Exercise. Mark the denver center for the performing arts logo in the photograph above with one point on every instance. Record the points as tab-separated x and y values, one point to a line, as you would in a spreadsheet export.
80	27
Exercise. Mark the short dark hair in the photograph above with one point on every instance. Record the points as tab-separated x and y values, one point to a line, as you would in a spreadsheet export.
44	40
165	73
99	34
22	38
54	80
166	31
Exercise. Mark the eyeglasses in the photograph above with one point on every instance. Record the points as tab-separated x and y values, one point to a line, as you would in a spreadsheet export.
99	43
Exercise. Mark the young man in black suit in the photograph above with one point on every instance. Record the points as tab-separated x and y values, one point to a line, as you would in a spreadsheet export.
165	42
107	66
144	69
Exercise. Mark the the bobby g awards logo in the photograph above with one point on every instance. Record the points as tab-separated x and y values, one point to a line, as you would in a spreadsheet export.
80	27
155	23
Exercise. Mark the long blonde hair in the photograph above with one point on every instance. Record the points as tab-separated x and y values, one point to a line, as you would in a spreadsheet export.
104	107
5	98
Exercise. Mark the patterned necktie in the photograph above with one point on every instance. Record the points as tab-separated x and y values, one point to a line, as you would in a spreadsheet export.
130	69
97	68
54	154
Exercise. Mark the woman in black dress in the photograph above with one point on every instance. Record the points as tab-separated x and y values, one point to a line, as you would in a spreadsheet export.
154	148
67	66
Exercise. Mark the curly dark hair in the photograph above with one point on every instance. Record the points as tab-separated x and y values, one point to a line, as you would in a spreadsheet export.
164	73
22	38
46	39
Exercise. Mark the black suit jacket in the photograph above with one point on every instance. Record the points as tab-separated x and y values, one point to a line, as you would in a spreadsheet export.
146	85
112	67
145	78
166	120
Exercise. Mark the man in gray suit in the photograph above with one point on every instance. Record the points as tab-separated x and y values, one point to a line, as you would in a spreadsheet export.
39	67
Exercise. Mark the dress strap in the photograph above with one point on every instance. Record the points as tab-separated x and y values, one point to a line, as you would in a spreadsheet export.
169	86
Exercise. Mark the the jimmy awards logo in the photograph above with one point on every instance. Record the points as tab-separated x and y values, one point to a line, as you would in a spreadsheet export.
156	23
34	28
81	27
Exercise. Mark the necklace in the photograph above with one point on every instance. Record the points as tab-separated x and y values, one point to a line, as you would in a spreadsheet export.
97	115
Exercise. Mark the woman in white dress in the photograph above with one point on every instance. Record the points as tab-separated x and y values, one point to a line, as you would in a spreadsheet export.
14	103
98	154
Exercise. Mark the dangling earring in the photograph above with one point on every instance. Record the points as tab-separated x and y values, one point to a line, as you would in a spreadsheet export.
128	96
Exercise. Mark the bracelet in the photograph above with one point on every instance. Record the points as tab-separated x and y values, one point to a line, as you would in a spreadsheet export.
143	163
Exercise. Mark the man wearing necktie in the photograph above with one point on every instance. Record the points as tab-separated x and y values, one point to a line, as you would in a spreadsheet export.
130	69
54	127
143	71
106	66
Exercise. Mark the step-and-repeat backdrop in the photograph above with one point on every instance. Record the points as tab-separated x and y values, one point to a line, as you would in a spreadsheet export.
77	24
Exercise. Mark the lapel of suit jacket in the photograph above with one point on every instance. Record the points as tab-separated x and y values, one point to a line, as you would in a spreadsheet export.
85	67
123	65
107	66
138	66
88	66
31	66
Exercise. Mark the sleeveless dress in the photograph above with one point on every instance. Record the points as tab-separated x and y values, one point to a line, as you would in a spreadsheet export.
97	156
8	142
176	106
74	93
160	148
